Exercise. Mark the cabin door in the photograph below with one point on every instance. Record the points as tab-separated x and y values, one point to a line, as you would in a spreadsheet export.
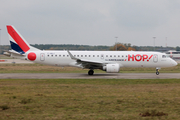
42	56
155	58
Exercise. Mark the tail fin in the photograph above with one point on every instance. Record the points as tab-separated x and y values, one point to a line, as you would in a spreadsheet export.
18	43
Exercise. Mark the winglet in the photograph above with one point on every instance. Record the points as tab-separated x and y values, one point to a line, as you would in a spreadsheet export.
72	57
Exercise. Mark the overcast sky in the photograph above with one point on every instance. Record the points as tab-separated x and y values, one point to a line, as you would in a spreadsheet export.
93	22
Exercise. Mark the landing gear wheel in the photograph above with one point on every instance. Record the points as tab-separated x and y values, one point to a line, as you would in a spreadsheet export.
157	71
90	72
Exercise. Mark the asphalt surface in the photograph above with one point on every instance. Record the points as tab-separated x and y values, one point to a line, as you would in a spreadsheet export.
86	76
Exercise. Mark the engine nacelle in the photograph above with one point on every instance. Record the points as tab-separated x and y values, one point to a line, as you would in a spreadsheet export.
112	68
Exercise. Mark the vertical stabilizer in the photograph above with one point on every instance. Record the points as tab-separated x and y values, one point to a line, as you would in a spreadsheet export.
18	43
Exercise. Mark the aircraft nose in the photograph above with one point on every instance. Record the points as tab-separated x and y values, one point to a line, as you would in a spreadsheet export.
174	63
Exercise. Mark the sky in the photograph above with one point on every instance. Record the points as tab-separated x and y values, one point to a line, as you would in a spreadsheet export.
93	22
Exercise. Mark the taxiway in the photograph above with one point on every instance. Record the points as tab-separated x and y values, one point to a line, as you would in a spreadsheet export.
85	76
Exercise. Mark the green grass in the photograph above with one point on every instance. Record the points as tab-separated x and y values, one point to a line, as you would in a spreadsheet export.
38	68
91	99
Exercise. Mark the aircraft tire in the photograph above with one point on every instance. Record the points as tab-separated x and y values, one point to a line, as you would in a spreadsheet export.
90	72
157	73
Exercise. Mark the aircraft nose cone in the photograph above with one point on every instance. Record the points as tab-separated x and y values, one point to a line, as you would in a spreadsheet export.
174	63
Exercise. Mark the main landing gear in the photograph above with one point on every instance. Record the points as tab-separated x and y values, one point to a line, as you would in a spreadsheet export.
90	72
157	71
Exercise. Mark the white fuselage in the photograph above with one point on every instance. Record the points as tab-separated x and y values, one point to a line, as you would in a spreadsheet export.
123	58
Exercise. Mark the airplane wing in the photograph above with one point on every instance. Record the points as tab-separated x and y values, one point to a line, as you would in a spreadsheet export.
87	63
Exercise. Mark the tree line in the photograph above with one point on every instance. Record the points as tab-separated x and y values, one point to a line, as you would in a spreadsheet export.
117	46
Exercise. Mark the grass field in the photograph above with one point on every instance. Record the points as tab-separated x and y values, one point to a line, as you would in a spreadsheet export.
91	99
38	68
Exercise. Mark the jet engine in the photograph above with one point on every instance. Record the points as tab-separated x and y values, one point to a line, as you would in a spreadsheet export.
112	68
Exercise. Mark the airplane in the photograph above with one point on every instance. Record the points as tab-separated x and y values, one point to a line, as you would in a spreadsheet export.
109	61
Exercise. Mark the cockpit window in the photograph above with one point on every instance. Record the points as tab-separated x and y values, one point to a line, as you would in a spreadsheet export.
163	56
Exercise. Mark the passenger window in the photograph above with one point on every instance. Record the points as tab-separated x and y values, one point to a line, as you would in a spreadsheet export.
48	55
106	55
85	55
110	55
81	55
114	55
97	55
122	55
63	55
52	55
89	55
77	55
93	55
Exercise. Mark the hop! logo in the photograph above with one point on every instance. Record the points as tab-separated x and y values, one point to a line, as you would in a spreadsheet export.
139	57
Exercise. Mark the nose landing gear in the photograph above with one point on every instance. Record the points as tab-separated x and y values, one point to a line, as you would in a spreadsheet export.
157	71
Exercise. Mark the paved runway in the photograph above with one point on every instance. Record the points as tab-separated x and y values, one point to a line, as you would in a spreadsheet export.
85	76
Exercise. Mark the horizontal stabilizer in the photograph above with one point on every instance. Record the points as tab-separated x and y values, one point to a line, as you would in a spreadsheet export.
8	53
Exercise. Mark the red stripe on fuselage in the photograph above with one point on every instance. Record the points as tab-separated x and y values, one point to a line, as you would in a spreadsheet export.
17	38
